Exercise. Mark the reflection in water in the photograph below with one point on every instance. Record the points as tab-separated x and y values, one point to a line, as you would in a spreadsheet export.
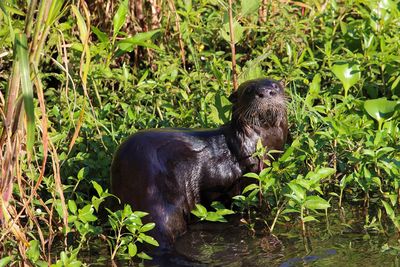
227	244
307	259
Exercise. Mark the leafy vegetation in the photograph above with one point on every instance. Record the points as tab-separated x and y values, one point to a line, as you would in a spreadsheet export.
75	81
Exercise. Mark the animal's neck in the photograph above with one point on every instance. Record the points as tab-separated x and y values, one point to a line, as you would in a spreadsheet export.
242	141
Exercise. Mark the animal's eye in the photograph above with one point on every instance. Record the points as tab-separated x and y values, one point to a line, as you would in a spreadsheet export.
249	91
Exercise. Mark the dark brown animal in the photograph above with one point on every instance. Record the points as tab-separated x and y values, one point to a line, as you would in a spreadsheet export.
165	172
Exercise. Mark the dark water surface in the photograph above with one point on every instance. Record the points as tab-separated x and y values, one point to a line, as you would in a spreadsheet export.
228	244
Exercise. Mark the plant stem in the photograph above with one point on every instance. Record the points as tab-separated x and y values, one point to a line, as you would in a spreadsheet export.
233	50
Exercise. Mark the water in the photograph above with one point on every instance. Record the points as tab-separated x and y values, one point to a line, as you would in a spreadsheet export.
228	244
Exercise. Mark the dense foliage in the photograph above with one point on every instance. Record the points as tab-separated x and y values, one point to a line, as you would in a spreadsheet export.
72	87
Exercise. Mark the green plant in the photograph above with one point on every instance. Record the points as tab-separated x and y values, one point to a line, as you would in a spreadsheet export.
128	230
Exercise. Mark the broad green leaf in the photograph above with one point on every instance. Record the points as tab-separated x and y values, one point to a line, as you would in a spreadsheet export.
144	256
252	175
149	240
223	212
86	214
298	190
348	74
200	211
250	187
33	251
388	209
98	188
237	32
120	17
21	50
316	203
322	173
72	206
100	35
214	217
381	109
132	249
309	219
139	39
314	90
249	7
147	227
5	261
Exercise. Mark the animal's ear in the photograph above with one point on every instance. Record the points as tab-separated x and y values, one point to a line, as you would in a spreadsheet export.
233	97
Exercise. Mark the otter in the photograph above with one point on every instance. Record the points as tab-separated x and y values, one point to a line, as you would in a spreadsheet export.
165	172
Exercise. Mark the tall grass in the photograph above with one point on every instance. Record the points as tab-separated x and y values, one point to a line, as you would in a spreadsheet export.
79	76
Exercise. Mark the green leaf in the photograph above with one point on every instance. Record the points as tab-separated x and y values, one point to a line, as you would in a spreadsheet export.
100	35
149	240
250	187
86	214
309	219
21	49
72	206
314	90
322	173
144	256
5	261
33	251
83	31
249	7
316	203
238	31
298	191
132	249
200	211
139	39
98	188
348	74
81	174
147	227
54	11
120	17
252	175
380	109
214	217
224	212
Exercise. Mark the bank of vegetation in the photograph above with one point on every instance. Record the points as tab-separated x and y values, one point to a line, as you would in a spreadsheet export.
78	77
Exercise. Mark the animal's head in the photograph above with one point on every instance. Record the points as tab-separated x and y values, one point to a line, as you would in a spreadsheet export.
260	102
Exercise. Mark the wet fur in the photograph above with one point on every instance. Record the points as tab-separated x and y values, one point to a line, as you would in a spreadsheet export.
167	171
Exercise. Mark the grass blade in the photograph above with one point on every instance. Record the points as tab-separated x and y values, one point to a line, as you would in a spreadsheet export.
21	49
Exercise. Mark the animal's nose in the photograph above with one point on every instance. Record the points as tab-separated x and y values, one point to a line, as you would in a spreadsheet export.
269	92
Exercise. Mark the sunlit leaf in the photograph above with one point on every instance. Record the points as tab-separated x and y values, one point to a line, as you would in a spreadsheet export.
147	227
309	219
139	39
298	190
83	31
381	109
348	74
238	31
132	249
120	16
200	211
313	92
249	7
316	203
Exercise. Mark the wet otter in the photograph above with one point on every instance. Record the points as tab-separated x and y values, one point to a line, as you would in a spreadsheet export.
167	171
